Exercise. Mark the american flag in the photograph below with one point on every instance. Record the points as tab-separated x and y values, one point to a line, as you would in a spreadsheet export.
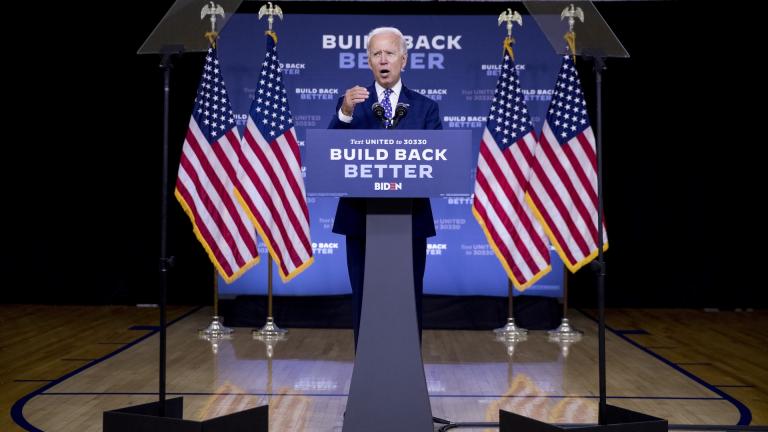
503	167
208	175
563	187
272	190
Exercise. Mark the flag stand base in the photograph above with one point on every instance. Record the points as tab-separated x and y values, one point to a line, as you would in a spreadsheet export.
511	332
215	328
565	333
270	330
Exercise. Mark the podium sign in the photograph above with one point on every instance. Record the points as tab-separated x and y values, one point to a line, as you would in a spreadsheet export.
381	163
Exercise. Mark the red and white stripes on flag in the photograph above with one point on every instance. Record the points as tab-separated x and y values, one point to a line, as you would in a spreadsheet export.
208	176
563	186
503	167
272	185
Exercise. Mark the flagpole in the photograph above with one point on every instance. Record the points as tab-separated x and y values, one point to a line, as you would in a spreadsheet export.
215	293
216	328
511	331
269	288
565	334
270	329
511	291
565	292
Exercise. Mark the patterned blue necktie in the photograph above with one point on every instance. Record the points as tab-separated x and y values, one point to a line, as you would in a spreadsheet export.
387	107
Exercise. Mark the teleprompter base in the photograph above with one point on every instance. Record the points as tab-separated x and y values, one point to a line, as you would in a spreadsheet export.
145	418
617	420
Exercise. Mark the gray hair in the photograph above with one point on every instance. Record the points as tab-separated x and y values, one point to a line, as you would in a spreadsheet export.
391	30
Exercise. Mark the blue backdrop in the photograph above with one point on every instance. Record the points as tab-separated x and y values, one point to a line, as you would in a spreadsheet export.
453	60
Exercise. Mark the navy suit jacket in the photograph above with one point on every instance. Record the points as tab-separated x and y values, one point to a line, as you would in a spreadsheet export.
423	113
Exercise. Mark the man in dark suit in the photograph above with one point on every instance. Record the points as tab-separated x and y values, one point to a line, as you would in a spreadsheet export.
387	57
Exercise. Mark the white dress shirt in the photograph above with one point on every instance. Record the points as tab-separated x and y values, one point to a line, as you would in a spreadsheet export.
380	95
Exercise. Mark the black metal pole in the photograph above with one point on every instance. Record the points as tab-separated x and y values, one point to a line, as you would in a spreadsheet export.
599	64
165	261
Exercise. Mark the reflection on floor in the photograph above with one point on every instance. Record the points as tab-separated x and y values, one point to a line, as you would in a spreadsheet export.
470	377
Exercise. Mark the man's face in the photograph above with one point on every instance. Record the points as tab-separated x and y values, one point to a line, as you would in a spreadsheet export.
385	59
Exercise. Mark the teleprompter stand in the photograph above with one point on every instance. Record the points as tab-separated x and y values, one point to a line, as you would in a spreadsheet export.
595	40
181	30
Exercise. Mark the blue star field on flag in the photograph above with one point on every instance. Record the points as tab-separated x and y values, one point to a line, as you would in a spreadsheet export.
567	115
508	120
270	111
212	110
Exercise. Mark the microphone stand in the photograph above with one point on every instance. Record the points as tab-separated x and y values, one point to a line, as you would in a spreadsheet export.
378	112
400	111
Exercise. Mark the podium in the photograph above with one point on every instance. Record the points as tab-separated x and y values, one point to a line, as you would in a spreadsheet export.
388	390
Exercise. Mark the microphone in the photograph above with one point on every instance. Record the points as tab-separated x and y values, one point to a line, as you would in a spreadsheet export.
401	110
378	111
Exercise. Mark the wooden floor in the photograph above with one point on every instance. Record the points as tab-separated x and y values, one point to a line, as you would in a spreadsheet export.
688	366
